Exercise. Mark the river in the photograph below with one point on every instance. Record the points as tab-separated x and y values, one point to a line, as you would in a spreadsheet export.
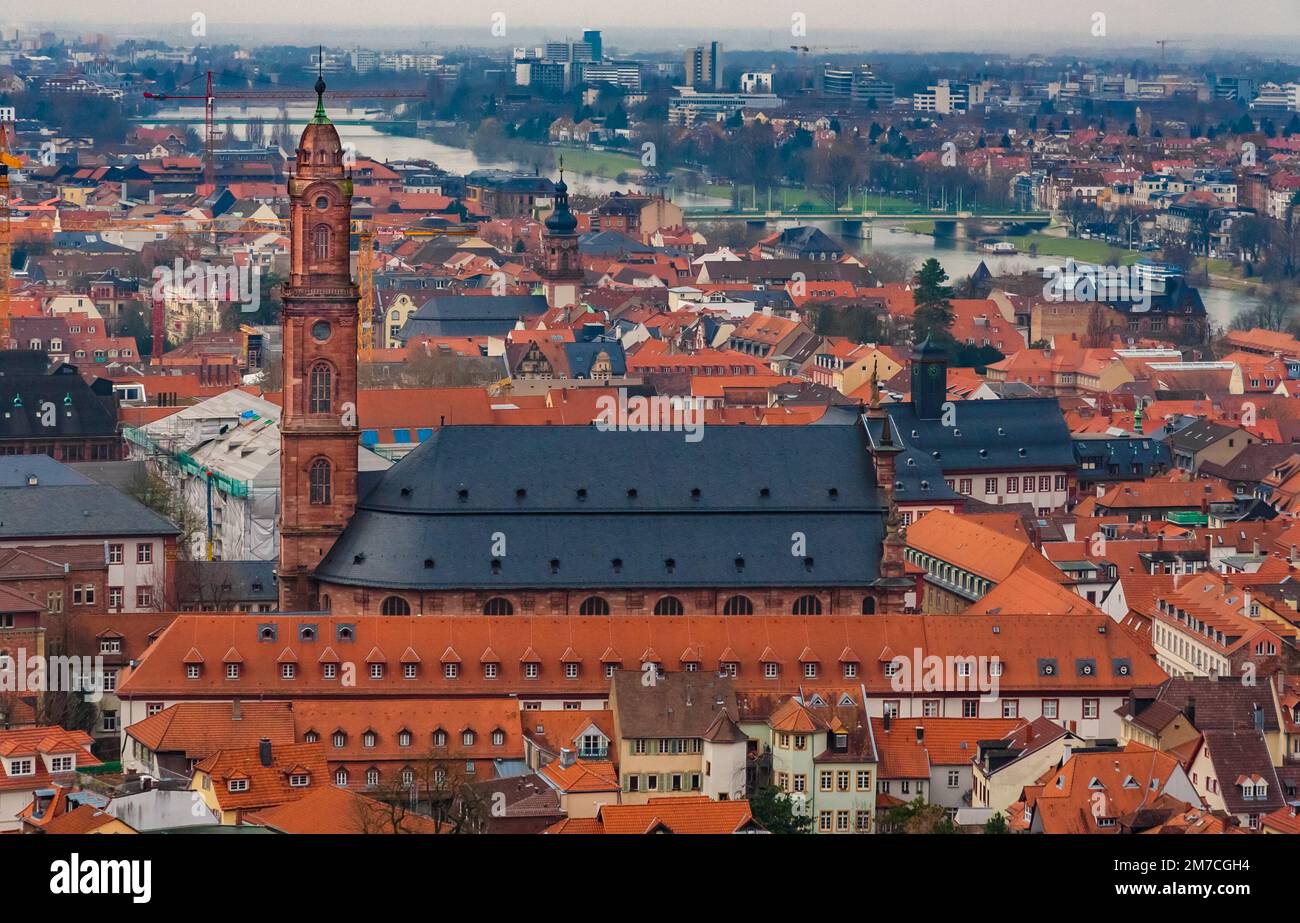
959	258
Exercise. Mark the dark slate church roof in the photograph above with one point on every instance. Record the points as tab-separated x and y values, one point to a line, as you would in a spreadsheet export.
470	315
606	509
992	436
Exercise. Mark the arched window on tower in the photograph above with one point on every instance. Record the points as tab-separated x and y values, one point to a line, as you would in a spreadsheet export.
321	479
868	605
320	239
321	388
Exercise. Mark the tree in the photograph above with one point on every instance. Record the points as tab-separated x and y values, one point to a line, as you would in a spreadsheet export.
153	491
933	317
1272	313
774	809
996	824
918	817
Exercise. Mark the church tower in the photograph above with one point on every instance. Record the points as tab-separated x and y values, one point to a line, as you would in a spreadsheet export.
318	423
561	268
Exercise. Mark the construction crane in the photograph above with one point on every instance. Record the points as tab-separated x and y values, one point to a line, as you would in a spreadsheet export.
7	162
1162	42
367	319
211	97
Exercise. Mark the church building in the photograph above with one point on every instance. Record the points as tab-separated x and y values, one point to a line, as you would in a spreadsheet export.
561	520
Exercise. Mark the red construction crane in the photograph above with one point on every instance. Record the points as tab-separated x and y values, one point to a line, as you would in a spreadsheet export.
210	98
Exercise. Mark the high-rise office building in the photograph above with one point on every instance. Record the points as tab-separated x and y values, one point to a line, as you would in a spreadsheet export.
592	38
704	66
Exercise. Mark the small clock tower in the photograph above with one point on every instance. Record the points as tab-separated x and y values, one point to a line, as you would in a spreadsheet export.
318	423
929	380
561	266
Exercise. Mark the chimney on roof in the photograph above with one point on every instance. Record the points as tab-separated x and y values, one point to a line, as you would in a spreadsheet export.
920	734
887	721
567	758
236	711
264	751
1190	710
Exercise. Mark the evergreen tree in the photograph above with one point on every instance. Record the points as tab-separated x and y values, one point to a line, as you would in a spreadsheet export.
933	317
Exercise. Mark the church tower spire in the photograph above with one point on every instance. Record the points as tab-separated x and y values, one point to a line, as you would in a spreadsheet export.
318	423
561	266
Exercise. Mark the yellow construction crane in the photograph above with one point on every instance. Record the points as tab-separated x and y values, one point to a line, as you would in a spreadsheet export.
366	317
7	162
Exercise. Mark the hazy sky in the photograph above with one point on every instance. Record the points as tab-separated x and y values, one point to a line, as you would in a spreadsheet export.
833	24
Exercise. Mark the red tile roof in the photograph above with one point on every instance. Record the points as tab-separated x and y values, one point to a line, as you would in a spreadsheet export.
37	743
673	815
1018	641
199	729
331	810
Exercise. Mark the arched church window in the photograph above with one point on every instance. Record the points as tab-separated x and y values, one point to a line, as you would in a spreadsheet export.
321	241
321	388
321	478
394	605
807	605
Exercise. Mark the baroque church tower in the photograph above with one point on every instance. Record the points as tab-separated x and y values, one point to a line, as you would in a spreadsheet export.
318	423
561	268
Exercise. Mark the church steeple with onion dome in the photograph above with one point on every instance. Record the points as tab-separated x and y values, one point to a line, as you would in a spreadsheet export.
561	262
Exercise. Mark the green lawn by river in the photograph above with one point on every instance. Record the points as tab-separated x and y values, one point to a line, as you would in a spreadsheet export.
1091	251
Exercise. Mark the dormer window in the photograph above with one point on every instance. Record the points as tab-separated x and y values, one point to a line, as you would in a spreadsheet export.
299	780
440	738
368	739
287	670
192	670
404	739
237	785
498	738
339	740
376	671
232	671
467	738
